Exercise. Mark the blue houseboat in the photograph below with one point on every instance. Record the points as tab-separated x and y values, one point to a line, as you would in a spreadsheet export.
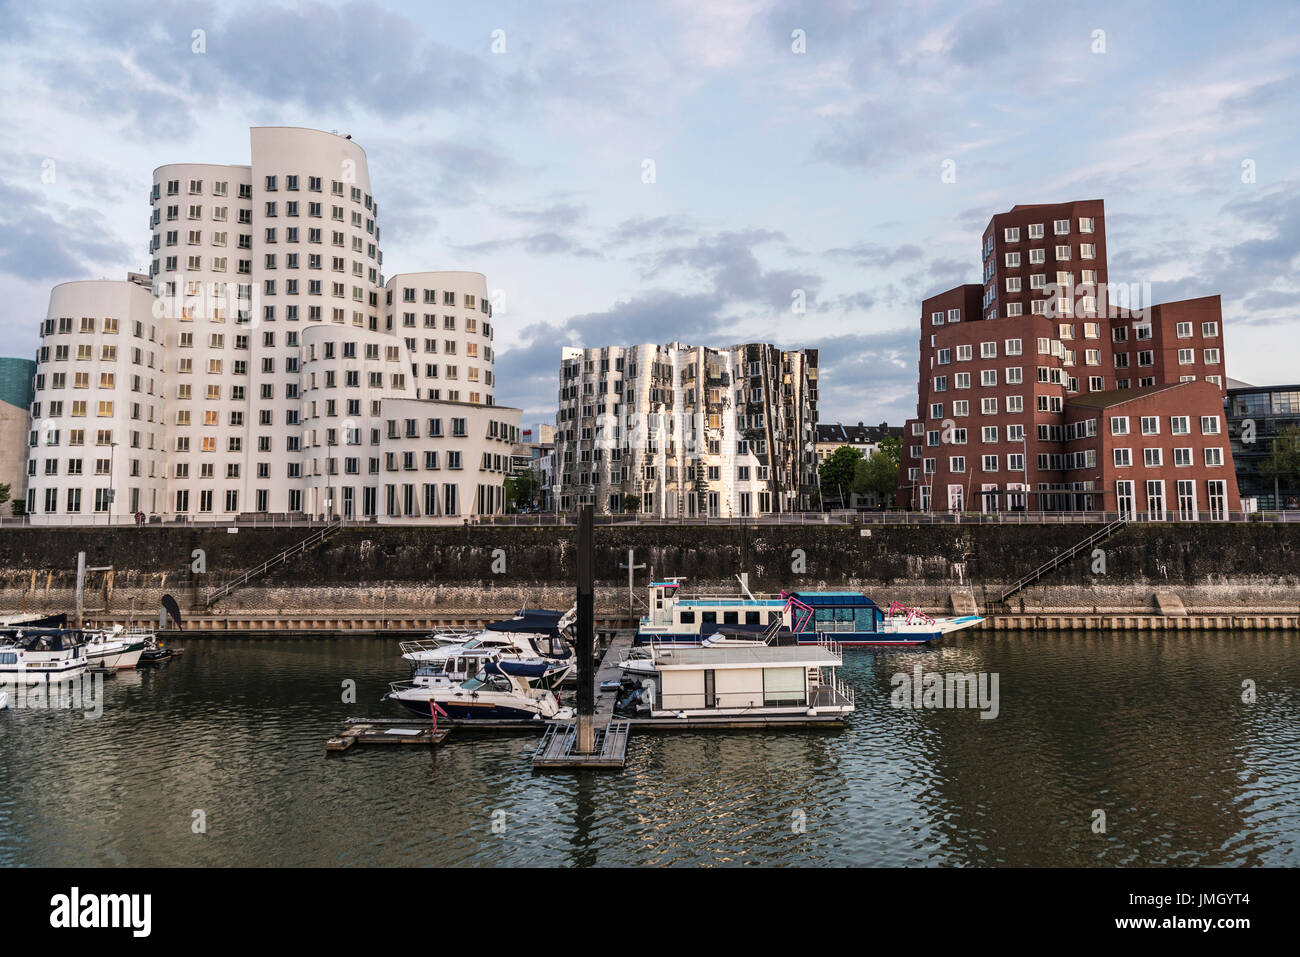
848	618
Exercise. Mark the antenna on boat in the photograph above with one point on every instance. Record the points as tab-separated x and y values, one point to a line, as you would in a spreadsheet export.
743	578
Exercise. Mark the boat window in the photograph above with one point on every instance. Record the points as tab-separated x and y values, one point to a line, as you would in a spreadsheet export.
8	658
709	617
784	687
752	618
688	618
730	618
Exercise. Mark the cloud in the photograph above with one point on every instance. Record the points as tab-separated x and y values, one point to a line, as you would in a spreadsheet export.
727	259
42	238
643	229
875	255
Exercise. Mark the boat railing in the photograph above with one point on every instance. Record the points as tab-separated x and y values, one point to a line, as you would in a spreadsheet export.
832	691
437	641
732	598
831	645
898	609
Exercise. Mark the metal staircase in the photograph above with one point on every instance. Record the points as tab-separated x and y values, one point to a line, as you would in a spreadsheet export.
1060	559
311	541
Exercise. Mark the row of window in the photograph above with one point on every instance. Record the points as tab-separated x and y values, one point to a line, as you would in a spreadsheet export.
1085	459
1060	227
291	183
1178	425
438	500
1154	457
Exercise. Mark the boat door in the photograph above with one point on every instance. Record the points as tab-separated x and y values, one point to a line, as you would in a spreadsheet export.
710	689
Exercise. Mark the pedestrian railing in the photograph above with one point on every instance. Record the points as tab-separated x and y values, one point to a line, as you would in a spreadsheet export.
312	540
895	517
1061	558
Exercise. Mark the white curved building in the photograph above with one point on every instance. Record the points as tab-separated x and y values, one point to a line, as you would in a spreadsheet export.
271	350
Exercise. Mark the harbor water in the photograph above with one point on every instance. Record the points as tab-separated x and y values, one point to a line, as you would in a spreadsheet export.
1106	750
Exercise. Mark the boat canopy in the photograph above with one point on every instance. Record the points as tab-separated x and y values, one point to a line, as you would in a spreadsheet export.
834	599
531	622
43	639
50	621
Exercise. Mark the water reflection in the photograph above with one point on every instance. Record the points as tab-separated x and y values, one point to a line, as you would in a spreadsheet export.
1151	730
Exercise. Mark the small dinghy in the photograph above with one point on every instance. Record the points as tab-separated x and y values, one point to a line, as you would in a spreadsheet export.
156	653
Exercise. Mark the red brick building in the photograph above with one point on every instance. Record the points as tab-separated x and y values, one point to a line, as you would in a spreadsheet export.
1021	377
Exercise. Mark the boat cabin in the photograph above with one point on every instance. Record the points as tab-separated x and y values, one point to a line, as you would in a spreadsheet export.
749	681
675	617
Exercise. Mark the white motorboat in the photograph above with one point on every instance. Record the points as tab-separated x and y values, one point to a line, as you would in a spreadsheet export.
40	656
463	664
529	634
116	648
491	694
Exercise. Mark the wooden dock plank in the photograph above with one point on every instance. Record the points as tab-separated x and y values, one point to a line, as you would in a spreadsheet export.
388	735
608	671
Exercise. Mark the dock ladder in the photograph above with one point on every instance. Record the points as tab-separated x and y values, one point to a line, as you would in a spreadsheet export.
1061	558
311	541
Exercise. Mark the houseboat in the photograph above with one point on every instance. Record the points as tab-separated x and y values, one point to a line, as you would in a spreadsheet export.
849	618
738	681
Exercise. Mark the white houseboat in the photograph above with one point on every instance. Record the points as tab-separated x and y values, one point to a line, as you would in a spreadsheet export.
749	681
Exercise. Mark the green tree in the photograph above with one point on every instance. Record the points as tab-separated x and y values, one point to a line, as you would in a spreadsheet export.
521	490
631	503
1283	463
5	490
836	473
893	447
878	473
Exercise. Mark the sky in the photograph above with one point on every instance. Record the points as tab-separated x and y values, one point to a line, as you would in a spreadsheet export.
688	170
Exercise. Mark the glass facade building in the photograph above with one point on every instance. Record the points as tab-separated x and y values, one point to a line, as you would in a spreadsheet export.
1256	416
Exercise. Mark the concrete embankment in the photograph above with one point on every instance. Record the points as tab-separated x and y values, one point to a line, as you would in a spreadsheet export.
372	578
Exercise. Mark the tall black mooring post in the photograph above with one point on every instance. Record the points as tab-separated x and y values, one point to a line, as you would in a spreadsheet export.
586	649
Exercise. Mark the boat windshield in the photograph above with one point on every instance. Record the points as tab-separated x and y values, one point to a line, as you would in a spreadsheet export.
486	682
